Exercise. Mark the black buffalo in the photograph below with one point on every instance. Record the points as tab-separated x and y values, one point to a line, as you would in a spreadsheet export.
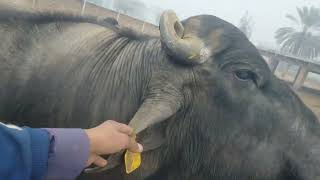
201	97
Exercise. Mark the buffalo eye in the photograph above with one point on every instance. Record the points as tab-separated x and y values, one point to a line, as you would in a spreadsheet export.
244	75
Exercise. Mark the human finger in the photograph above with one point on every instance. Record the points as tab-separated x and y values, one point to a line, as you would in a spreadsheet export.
123	128
133	146
100	161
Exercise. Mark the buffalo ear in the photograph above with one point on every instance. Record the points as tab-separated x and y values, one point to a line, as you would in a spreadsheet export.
161	103
152	137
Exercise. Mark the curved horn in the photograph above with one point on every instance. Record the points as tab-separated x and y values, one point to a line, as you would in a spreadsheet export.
188	50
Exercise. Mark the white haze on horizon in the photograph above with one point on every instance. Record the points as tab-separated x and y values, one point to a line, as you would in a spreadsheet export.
267	15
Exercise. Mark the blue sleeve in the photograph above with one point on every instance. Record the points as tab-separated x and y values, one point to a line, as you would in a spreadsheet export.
24	153
68	153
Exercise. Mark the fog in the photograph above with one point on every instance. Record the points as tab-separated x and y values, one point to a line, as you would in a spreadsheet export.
267	15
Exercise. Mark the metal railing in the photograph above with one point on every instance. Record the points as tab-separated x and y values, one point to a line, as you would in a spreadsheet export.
85	3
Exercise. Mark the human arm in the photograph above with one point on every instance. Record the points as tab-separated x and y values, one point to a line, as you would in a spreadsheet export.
74	149
57	153
24	152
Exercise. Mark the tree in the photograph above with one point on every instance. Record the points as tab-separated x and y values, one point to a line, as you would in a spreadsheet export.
302	40
246	24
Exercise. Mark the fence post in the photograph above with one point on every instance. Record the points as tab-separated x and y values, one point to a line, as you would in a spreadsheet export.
83	7
273	63
34	3
118	16
142	29
300	77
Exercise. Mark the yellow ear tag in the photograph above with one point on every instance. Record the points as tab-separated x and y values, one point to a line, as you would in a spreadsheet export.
132	160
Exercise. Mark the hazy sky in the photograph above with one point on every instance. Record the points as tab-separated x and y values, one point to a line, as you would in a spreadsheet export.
267	15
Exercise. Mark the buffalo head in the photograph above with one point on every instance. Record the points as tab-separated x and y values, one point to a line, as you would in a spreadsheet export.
218	111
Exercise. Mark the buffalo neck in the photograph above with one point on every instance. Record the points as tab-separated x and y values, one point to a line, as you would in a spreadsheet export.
84	75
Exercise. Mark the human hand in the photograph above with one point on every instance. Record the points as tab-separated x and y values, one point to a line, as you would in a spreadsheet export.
108	138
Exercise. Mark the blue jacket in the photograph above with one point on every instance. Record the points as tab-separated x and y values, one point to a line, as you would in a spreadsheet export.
23	153
36	154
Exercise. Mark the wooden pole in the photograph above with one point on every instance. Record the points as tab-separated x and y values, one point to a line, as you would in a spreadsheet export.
142	29
273	64
118	15
300	77
83	7
34	3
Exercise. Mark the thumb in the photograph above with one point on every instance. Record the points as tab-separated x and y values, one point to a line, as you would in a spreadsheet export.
100	161
133	146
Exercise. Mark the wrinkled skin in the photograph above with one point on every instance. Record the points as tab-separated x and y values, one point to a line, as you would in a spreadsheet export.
235	120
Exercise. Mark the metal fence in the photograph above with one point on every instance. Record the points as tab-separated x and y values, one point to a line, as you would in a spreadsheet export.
134	8
146	15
